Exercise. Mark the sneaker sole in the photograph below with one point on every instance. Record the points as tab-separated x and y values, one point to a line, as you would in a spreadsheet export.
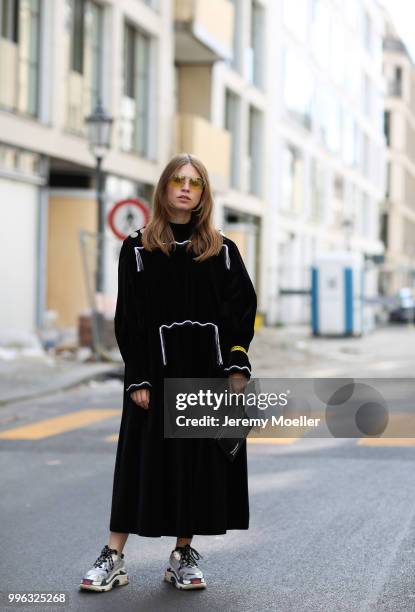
170	577
116	580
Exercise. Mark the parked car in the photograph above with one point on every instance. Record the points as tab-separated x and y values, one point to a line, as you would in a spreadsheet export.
404	311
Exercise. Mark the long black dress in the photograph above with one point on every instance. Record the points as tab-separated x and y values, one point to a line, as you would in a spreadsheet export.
178	318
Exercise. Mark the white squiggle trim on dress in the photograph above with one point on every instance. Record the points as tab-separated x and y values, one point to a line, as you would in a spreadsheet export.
141	230
182	242
239	368
227	258
140	265
218	351
139	384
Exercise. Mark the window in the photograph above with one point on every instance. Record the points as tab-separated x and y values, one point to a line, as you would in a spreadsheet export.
232	116
348	138
28	90
235	62
129	62
378	110
152	4
255	151
136	102
368	32
353	209
85	70
388	179
356	144
19	25
387	127
366	155
292	179
320	32
257	37
77	36
330	120
352	73
366	216
337	51
384	234
367	96
9	19
298	89
94	51
317	194
334	125
398	81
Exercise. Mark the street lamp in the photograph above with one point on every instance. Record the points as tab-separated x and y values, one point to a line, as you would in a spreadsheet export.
99	125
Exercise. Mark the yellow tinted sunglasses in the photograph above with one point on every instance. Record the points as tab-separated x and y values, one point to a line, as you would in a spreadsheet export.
195	183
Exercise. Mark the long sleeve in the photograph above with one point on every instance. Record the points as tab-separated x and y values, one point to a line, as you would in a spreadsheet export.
240	305
129	321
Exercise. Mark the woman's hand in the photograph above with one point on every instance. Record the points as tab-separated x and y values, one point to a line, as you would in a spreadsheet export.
238	382
141	397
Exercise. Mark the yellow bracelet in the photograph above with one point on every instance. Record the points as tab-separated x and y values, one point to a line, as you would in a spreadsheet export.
239	348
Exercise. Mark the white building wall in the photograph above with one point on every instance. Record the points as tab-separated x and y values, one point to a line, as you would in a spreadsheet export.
19	206
299	235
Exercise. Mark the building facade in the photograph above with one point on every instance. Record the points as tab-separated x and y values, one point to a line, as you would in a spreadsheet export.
282	101
57	58
327	150
152	63
398	218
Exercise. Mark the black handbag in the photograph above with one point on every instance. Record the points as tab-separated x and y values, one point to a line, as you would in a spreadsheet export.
231	446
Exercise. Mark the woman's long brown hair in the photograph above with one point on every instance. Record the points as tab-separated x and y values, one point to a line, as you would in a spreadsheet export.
205	240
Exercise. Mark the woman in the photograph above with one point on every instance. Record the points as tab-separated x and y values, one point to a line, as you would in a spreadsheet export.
186	308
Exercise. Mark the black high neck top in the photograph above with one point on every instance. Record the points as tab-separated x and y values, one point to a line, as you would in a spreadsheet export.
182	231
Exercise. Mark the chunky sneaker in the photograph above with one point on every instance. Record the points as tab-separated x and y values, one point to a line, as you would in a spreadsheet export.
108	571
183	571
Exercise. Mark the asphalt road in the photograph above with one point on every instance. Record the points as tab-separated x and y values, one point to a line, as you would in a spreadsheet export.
332	520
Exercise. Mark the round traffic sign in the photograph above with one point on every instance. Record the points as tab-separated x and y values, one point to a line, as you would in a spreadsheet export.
127	215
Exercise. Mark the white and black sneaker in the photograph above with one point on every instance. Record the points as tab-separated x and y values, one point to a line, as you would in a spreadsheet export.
183	570
107	572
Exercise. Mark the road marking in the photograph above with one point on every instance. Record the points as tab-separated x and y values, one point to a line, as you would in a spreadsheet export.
271	440
386	442
58	425
399	423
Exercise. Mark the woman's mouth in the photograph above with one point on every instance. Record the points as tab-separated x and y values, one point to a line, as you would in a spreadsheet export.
184	198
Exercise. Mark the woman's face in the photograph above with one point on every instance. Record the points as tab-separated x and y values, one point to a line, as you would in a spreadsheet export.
185	194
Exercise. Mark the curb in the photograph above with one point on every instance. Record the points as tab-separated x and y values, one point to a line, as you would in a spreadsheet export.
68	382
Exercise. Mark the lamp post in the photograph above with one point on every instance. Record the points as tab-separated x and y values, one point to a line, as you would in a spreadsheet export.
99	125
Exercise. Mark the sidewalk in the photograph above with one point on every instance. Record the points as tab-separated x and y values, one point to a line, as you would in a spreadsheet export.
292	351
281	352
25	377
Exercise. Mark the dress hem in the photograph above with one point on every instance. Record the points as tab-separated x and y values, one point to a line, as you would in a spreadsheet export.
173	533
